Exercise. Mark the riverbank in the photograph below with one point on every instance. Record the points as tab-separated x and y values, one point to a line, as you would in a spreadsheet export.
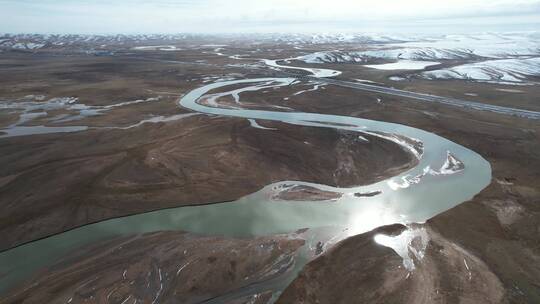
162	266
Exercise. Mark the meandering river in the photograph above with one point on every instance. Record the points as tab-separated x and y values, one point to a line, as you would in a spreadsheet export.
446	175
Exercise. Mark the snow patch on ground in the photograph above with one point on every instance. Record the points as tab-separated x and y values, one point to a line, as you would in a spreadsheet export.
156	48
367	81
396	78
509	90
403	65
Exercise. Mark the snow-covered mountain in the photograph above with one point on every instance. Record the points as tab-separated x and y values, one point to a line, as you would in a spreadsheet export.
492	57
414	53
367	38
333	57
483	45
501	58
37	41
386	53
443	47
506	71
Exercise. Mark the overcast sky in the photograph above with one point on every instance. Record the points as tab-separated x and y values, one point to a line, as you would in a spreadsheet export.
175	16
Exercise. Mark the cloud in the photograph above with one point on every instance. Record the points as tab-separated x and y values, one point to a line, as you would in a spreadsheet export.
172	16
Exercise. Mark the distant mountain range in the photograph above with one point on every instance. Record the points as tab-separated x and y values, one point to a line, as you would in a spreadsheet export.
502	58
510	58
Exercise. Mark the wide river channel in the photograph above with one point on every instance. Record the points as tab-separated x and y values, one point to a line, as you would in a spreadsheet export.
446	175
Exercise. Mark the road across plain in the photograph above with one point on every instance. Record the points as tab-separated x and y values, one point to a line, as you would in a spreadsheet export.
421	96
431	98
